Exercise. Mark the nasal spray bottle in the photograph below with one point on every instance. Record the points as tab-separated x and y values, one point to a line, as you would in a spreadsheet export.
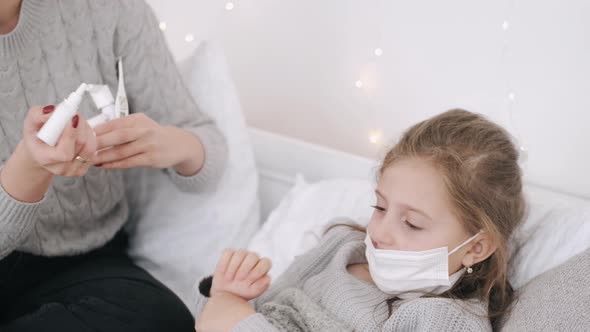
52	129
103	99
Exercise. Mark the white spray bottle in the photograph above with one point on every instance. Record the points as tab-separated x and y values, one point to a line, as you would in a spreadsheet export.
52	129
104	101
110	108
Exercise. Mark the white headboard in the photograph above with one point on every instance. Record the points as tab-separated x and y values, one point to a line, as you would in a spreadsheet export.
280	158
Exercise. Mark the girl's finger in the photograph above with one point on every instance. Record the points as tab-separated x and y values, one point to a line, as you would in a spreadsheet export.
261	285
247	265
260	270
234	264
223	263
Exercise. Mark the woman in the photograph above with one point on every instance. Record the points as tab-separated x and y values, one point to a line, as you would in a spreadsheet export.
62	252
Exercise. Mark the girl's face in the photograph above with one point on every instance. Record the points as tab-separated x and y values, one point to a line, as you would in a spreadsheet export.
413	212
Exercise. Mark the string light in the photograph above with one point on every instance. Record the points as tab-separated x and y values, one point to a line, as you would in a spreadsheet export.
511	93
505	25
375	136
189	38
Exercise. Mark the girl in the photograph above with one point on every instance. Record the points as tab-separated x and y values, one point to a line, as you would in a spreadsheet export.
433	257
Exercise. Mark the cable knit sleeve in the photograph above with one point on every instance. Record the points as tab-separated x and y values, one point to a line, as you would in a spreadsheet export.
17	219
155	87
439	314
310	263
254	323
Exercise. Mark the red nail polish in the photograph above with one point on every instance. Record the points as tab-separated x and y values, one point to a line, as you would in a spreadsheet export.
98	165
48	109
75	121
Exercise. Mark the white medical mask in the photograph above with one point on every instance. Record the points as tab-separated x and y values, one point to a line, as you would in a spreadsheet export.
396	272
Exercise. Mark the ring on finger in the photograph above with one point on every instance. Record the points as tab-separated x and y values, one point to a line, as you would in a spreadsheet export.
81	160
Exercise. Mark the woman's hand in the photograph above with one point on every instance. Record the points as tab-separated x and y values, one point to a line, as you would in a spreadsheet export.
223	312
29	171
242	274
77	140
138	141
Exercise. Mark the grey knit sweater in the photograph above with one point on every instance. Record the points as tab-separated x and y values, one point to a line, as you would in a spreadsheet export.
321	276
57	45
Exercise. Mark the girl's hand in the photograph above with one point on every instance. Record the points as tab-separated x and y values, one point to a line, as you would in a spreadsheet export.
138	141
242	274
222	313
77	140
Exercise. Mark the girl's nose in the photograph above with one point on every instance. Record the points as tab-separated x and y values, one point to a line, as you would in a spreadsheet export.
383	237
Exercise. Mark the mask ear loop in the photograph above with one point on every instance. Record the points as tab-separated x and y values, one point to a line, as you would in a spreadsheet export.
464	243
469	269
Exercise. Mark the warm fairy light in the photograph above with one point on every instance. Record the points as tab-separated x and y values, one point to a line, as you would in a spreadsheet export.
375	136
189	38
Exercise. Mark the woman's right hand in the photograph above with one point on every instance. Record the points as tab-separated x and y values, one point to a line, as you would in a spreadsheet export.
242	274
77	139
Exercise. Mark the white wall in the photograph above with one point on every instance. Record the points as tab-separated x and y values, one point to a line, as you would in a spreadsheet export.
295	63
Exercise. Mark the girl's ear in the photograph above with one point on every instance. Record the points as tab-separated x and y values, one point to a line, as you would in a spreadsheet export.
482	247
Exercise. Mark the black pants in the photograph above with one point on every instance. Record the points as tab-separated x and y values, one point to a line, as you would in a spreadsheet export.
99	291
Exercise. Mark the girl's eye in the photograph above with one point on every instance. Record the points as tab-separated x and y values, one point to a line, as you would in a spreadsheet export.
378	208
412	226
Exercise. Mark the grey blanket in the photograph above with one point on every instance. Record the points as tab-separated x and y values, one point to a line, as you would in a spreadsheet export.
293	310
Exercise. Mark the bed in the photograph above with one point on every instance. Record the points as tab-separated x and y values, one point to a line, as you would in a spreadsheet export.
268	199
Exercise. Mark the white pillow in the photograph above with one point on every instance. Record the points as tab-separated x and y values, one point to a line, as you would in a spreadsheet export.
556	229
178	236
300	220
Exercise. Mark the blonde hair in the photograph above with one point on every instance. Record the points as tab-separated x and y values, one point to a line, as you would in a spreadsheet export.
479	165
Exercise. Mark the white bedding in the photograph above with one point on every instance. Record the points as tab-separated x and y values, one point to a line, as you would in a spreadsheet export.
178	237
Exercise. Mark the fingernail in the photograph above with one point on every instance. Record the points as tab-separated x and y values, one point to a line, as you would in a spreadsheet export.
98	165
75	121
48	109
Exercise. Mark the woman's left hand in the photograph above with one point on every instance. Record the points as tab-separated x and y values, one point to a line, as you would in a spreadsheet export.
223	312
138	141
